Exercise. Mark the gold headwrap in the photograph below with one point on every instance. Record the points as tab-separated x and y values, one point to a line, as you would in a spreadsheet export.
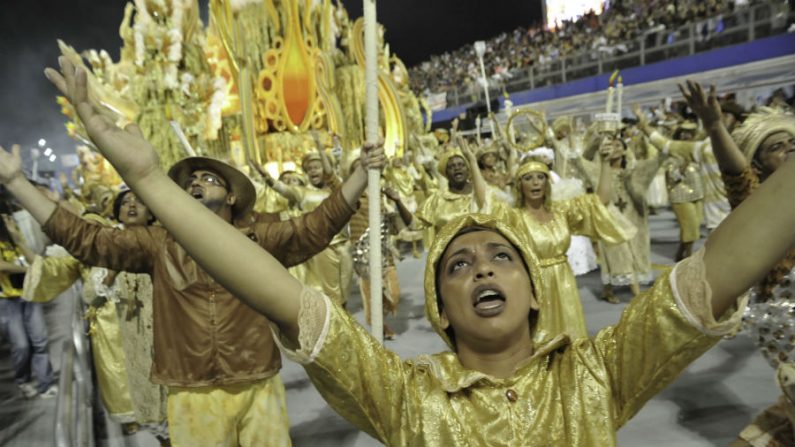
532	166
455	152
526	168
561	123
443	239
760	125
310	156
489	149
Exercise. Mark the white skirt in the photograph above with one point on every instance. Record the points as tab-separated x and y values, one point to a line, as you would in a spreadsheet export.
582	258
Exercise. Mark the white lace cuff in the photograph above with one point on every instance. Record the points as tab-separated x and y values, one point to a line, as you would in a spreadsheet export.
693	297
314	317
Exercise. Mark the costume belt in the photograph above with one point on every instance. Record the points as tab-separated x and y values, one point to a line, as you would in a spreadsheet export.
547	262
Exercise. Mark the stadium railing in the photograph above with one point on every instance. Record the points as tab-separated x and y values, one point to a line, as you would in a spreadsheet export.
744	25
73	409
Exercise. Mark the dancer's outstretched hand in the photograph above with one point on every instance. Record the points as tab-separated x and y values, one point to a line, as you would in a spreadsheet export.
706	106
10	164
132	156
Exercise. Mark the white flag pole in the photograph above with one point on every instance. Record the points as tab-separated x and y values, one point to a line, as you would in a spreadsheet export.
373	176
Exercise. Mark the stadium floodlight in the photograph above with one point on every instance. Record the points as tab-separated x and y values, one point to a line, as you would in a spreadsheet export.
42	142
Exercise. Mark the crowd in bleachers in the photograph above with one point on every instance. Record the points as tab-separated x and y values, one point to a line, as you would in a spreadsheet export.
612	31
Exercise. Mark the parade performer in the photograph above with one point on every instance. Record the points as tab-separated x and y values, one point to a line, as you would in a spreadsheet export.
686	193
132	294
548	226
715	204
211	349
496	386
460	197
748	157
628	263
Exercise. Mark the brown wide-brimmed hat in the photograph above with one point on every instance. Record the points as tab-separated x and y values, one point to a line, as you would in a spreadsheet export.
238	182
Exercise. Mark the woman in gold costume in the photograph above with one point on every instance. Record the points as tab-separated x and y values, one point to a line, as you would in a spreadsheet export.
496	386
548	226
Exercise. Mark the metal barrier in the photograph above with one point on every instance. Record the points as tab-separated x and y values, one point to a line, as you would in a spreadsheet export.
655	45
73	410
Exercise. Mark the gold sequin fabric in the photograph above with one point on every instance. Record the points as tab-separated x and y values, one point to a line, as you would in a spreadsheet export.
567	394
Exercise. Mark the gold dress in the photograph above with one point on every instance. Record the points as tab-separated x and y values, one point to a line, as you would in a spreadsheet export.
400	179
441	207
47	278
299	271
271	201
568	393
331	270
686	193
716	204
561	310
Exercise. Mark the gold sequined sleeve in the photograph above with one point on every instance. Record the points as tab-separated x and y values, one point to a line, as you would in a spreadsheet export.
684	149
427	212
740	186
659	334
587	216
48	277
360	379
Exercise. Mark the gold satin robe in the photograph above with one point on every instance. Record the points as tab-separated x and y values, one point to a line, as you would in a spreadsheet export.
403	182
567	394
561	310
441	207
331	270
47	278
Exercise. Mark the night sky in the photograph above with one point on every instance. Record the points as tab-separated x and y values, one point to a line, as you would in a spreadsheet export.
416	29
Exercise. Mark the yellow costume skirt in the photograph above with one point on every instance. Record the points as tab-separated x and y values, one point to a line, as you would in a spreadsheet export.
109	362
689	216
331	272
391	292
246	415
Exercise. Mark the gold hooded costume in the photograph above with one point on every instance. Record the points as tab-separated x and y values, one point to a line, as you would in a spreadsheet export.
567	393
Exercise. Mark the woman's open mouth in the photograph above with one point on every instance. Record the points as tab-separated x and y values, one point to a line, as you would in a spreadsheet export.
488	300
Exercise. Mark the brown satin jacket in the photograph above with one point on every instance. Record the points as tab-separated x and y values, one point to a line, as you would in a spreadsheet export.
203	335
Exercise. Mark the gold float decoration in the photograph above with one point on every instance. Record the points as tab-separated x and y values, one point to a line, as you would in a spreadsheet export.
252	84
287	86
533	132
393	119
